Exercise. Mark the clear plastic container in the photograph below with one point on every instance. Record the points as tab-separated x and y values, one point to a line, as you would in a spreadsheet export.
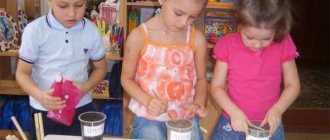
92	125
258	133
179	129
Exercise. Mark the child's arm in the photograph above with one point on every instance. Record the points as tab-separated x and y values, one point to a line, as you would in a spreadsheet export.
289	94
98	72
200	59
134	44
239	121
23	77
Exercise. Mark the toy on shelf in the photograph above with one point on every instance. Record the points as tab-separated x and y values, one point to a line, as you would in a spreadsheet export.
101	90
22	20
8	32
218	24
112	36
109	11
133	19
94	14
116	40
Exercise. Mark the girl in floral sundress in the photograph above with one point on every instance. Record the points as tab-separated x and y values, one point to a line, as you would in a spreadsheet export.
164	70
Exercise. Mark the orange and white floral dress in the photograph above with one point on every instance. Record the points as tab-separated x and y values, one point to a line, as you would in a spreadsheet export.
166	72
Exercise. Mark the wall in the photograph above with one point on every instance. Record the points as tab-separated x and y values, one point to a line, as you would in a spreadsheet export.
311	29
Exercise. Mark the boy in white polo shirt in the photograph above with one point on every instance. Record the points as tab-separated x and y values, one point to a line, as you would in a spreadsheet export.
60	43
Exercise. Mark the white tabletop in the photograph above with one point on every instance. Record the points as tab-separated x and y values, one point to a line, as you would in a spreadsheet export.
67	137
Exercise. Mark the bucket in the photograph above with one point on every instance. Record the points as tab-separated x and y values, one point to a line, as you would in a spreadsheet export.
179	129
257	133
92	125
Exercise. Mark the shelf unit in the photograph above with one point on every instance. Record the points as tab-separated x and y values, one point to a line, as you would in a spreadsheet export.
9	86
207	123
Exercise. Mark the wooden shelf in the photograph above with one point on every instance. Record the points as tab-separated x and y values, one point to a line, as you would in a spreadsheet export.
14	53
10	87
221	5
210	5
146	3
10	53
104	97
110	57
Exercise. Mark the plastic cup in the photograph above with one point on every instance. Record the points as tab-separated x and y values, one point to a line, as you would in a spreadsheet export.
92	125
179	129
258	134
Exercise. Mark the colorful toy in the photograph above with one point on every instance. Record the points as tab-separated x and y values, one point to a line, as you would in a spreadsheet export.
22	20
8	32
217	25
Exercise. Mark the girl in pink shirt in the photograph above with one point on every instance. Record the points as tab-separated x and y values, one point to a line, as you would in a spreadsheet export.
250	67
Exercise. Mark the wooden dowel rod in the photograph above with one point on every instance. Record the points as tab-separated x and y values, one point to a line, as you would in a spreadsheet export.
36	122
13	118
41	126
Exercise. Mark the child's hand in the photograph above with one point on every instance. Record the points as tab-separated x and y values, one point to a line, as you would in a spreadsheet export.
156	106
193	109
50	102
240	122
273	118
81	87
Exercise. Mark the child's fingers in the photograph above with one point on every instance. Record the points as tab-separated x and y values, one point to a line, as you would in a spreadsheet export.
156	104
246	128
54	103
202	113
192	107
188	115
54	107
273	124
263	123
272	128
50	91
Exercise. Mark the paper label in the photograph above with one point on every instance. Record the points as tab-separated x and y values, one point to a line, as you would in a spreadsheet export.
91	131
180	135
249	137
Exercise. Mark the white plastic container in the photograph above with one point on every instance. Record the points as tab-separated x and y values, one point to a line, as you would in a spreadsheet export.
179	129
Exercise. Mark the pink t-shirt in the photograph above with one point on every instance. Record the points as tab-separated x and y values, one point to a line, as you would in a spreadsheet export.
254	78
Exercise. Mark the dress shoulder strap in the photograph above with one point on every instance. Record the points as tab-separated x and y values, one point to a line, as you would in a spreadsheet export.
190	39
144	29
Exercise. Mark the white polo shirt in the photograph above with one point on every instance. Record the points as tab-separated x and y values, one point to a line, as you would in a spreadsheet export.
55	50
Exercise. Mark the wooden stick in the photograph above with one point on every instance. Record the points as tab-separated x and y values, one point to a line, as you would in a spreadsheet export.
11	137
41	126
256	127
18	127
36	122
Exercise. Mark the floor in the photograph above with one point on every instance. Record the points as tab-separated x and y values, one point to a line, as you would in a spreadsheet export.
297	136
315	91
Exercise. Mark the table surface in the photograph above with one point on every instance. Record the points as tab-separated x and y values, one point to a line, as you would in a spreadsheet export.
67	137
